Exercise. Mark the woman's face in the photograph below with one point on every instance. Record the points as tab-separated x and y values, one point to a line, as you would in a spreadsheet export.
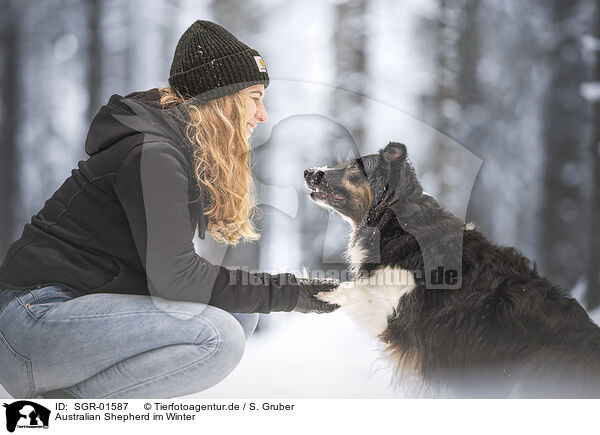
255	109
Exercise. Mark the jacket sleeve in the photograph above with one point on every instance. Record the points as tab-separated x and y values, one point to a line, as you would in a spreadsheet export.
152	186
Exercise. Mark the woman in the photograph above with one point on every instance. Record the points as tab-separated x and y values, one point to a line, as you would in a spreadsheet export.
104	296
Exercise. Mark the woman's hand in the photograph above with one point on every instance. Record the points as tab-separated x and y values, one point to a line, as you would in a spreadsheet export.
308	288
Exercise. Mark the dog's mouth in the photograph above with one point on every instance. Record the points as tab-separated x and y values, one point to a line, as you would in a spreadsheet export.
318	193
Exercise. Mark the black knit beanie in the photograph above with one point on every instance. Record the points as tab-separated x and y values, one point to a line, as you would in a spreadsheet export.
210	63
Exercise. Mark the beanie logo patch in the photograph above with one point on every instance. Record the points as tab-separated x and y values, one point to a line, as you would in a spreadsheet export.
260	64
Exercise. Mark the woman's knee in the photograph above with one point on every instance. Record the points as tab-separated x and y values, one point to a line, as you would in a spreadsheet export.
221	333
248	322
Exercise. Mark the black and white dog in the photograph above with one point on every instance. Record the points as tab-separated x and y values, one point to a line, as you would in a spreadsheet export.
503	331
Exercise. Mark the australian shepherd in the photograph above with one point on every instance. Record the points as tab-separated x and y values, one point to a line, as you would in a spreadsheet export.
463	316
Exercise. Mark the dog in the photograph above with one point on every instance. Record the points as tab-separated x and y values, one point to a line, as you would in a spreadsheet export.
497	329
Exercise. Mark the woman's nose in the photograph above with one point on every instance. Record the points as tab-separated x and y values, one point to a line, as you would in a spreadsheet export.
261	114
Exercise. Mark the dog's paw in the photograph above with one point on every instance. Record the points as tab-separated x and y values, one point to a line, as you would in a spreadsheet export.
345	294
326	296
335	295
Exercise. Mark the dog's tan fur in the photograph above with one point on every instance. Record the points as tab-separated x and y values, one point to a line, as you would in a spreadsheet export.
359	199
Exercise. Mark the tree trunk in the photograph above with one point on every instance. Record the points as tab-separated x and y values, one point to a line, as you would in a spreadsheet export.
593	273
565	235
95	57
10	99
349	47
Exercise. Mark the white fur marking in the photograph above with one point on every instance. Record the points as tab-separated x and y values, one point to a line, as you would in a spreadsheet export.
371	300
326	206
356	255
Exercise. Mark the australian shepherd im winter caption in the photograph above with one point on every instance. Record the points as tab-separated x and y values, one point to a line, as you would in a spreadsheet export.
495	328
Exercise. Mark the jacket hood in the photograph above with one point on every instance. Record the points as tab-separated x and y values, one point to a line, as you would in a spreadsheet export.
140	113
135	113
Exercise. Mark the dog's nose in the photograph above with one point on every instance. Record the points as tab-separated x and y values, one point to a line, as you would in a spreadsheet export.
313	177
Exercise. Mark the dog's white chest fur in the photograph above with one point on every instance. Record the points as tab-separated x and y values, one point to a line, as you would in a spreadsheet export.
371	300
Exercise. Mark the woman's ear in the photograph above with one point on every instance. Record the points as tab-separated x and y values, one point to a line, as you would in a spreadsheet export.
394	152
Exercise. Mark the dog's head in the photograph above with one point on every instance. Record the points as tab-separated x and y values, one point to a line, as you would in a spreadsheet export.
351	189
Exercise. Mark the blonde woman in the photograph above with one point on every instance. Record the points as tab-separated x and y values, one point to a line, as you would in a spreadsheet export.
104	295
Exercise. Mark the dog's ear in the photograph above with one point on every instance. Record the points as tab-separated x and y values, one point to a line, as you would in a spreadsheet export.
394	152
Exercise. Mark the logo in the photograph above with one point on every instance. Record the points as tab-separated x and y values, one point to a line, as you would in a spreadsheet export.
260	64
26	414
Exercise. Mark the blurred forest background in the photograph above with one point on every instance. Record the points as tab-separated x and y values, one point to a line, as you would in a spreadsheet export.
515	83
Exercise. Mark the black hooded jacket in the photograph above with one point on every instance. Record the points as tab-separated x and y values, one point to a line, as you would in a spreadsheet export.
124	222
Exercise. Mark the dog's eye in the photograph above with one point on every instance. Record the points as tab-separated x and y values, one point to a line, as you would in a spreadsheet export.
358	166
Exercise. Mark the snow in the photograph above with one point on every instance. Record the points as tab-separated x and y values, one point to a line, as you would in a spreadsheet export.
308	356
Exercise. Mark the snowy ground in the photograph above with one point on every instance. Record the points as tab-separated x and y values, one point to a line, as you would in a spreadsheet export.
308	356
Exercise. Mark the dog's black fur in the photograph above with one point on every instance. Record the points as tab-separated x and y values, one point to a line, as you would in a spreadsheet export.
505	332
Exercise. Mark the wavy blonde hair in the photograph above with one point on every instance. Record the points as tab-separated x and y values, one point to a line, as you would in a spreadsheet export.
221	163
